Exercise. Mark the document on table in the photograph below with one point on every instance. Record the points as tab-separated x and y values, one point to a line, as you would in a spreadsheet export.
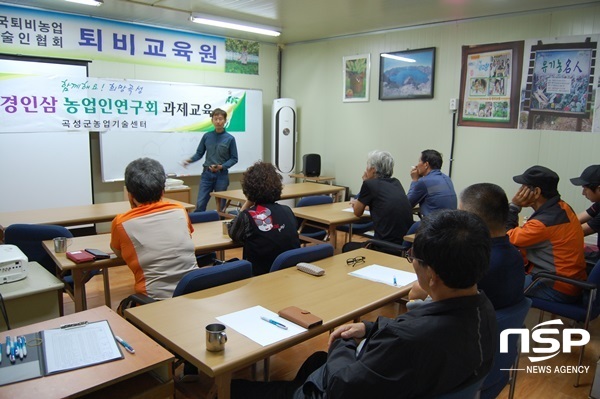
71	348
351	210
386	275
248	322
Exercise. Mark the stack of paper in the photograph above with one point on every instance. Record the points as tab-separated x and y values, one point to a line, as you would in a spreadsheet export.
174	184
386	275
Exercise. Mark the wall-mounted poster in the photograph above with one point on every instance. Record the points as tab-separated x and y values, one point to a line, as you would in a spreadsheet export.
558	85
357	73
489	91
407	75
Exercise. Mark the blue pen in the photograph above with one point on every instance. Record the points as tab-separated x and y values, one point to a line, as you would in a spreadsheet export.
24	342
12	352
395	283
275	323
128	347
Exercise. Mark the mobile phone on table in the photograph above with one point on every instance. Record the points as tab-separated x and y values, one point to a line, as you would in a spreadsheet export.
97	253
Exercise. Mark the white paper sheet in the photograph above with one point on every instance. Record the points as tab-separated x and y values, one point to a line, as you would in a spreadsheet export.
248	322
386	275
66	349
351	210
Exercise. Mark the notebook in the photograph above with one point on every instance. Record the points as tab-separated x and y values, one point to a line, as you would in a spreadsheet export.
80	256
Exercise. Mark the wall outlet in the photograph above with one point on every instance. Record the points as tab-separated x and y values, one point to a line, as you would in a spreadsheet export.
453	104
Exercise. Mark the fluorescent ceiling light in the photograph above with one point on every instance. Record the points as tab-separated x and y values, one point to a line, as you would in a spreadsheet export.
95	3
206	20
396	57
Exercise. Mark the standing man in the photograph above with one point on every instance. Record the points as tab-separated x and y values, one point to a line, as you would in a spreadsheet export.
551	240
430	188
384	195
221	154
154	238
590	218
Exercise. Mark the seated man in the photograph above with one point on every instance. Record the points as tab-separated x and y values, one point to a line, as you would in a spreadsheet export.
265	227
590	218
154	237
551	239
384	195
440	347
430	188
503	282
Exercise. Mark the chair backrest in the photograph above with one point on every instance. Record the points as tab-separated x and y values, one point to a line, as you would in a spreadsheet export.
303	254
213	276
511	317
315	200
29	237
469	392
594	278
206	216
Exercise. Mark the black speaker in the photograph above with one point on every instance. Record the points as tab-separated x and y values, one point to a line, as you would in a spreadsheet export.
311	165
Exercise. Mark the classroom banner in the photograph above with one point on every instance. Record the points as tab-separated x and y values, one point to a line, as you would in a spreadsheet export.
58	35
31	103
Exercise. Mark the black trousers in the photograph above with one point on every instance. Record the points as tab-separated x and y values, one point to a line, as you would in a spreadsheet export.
244	389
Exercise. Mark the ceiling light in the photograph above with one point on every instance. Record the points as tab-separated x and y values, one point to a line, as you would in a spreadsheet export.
396	57
230	24
95	3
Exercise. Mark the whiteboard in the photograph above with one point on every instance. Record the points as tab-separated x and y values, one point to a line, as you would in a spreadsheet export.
118	149
44	170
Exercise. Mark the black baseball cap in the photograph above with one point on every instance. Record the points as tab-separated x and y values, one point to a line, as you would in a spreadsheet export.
542	177
589	177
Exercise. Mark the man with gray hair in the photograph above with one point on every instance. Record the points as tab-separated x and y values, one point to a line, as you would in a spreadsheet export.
154	238
384	195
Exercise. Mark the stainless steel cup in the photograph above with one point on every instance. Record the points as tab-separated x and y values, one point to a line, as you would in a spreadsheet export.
215	337
61	244
225	225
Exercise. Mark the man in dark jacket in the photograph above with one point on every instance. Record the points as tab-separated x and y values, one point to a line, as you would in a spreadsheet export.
443	346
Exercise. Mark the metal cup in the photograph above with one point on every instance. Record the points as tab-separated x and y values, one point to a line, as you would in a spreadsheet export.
61	244
215	337
225	225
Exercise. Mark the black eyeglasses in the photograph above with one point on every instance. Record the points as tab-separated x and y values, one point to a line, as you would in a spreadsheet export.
410	257
355	261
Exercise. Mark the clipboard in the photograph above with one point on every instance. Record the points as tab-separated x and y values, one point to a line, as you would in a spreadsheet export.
61	349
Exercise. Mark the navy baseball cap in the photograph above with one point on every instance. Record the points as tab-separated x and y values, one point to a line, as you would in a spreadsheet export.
589	177
542	177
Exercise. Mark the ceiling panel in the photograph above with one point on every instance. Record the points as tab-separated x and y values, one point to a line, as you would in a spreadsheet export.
301	20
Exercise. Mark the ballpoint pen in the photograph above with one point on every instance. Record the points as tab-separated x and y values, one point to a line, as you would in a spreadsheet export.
395	282
275	323
12	351
24	342
8	345
128	347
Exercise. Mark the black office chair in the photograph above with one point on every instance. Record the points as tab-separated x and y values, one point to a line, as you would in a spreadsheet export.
313	230
308	254
504	368
586	309
202	217
197	280
29	237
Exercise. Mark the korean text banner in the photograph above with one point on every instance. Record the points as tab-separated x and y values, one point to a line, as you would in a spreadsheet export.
31	103
59	35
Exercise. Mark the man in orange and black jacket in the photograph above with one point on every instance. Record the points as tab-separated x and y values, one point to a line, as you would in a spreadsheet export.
551	239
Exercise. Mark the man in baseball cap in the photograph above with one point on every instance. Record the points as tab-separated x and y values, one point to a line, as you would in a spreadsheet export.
590	218
551	239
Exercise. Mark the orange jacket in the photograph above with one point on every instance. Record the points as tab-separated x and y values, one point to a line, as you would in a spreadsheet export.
551	240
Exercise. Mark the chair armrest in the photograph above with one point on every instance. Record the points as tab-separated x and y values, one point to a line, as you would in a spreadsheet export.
387	247
578	283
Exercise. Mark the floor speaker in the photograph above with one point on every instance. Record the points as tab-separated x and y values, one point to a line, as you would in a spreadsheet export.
311	165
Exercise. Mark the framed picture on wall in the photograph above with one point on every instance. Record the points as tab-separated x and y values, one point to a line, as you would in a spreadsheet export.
357	72
489	87
407	74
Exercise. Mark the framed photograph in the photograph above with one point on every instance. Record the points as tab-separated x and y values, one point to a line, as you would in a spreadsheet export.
407	74
357	72
489	86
